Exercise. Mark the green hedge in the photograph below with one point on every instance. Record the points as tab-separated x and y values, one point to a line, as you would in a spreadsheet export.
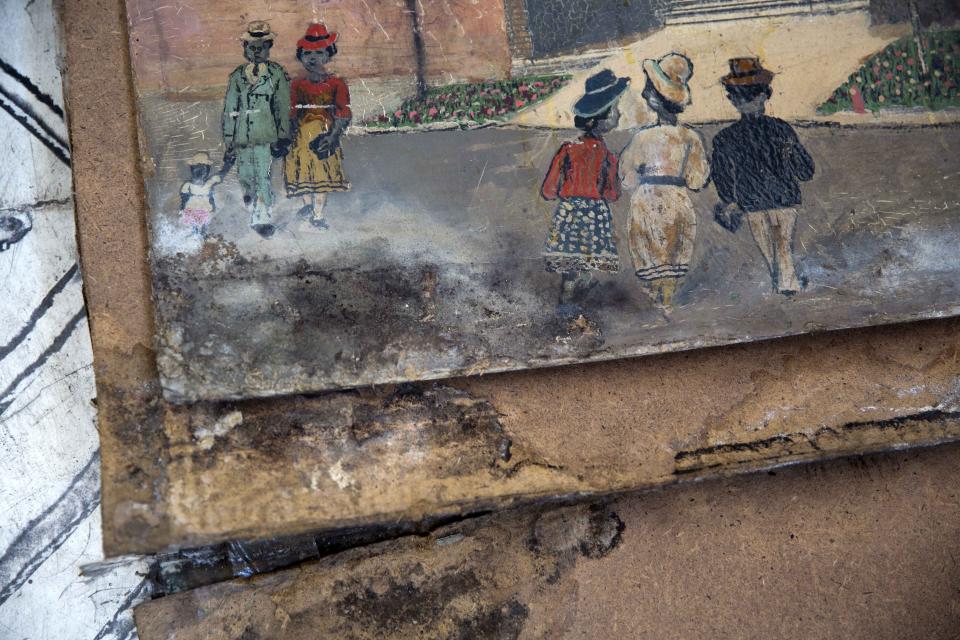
471	103
894	77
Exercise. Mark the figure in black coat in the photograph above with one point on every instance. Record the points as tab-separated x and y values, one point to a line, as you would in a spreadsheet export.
758	164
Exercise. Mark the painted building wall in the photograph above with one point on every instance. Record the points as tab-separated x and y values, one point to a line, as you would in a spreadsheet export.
930	12
192	49
565	26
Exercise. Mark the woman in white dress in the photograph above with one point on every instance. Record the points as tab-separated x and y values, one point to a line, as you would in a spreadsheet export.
660	166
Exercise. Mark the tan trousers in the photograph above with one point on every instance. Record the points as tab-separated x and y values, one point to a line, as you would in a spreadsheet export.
773	231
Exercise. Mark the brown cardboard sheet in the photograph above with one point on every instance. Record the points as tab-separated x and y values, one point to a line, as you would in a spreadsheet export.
858	548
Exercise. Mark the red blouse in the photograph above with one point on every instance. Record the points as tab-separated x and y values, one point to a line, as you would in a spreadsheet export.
328	99
584	169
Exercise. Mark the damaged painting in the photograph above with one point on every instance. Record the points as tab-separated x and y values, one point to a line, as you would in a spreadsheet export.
344	194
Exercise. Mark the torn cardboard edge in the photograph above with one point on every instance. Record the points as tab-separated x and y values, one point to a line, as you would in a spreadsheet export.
583	570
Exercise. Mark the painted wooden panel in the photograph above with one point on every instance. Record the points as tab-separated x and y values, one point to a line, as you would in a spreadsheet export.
327	212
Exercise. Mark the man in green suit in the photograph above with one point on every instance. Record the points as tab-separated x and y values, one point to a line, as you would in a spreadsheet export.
256	122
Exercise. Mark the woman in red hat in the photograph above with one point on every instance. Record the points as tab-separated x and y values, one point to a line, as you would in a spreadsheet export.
320	110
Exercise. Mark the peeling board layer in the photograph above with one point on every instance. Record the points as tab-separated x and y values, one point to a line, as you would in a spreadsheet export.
410	453
386	192
857	548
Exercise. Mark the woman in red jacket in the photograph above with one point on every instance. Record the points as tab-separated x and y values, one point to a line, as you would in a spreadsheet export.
583	177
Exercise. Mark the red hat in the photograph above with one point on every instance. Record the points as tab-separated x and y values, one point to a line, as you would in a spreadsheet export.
317	37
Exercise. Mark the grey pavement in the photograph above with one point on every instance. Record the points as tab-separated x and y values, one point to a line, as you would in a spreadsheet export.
431	266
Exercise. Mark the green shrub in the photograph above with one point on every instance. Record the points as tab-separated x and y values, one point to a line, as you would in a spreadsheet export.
471	103
894	77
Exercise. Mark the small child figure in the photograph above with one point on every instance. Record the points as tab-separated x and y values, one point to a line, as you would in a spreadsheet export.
196	195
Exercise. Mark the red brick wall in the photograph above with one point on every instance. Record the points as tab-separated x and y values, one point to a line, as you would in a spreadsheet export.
465	39
190	48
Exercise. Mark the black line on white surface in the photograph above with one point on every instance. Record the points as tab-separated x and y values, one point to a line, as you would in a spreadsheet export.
46	533
28	84
36	117
62	155
121	625
39	311
6	398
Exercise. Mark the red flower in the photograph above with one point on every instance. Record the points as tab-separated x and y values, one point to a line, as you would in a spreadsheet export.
432	112
910	61
489	111
412	115
889	75
398	114
519	103
899	67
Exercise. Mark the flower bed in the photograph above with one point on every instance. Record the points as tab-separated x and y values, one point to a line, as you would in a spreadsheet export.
471	103
895	77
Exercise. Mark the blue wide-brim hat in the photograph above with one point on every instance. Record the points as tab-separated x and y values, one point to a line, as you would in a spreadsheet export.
601	91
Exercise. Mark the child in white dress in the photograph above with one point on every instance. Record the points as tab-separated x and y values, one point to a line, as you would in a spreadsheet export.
196	195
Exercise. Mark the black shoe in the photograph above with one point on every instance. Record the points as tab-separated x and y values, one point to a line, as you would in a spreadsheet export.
247	199
265	230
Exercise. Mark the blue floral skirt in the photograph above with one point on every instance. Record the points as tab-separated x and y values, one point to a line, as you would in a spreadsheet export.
581	237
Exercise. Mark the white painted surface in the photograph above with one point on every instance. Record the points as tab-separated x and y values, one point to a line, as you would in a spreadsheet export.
49	460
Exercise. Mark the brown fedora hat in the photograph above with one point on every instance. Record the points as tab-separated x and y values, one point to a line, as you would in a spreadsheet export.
745	72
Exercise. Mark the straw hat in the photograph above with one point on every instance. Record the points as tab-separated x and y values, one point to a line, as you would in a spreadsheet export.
669	76
317	37
258	31
200	158
747	72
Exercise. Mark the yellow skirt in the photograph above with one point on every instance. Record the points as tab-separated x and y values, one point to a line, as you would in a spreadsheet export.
305	173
